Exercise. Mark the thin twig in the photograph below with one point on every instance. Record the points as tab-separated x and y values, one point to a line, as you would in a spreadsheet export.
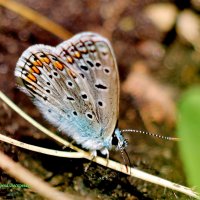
41	149
22	174
37	18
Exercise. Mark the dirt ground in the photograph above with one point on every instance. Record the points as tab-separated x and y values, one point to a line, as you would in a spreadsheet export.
151	63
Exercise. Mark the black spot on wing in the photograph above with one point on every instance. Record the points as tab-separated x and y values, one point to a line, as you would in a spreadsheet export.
101	86
90	63
84	67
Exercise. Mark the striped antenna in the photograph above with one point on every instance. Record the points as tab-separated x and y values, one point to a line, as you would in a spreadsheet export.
151	134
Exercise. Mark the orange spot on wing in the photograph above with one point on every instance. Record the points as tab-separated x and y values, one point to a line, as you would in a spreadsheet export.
69	59
58	65
37	63
27	80
31	70
32	77
45	59
71	73
77	54
35	69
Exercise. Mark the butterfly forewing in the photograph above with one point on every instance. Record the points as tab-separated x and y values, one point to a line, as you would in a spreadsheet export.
93	57
75	85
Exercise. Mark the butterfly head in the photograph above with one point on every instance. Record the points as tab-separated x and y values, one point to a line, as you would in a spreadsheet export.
118	140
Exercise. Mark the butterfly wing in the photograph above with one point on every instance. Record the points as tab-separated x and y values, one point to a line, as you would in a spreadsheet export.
94	58
75	85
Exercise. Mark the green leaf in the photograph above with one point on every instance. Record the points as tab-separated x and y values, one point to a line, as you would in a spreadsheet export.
189	133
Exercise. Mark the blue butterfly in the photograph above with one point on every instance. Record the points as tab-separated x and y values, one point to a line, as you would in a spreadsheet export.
75	85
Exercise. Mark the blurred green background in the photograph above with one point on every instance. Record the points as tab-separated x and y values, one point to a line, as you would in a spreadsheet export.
189	133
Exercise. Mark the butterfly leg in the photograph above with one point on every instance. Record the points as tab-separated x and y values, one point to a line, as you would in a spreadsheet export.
94	155
105	152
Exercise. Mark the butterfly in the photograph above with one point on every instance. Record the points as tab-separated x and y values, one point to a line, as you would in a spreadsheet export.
75	85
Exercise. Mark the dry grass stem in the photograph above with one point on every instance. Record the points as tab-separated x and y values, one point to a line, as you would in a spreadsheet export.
38	185
36	18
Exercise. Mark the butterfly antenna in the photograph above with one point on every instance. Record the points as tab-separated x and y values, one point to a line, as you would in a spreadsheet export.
151	134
